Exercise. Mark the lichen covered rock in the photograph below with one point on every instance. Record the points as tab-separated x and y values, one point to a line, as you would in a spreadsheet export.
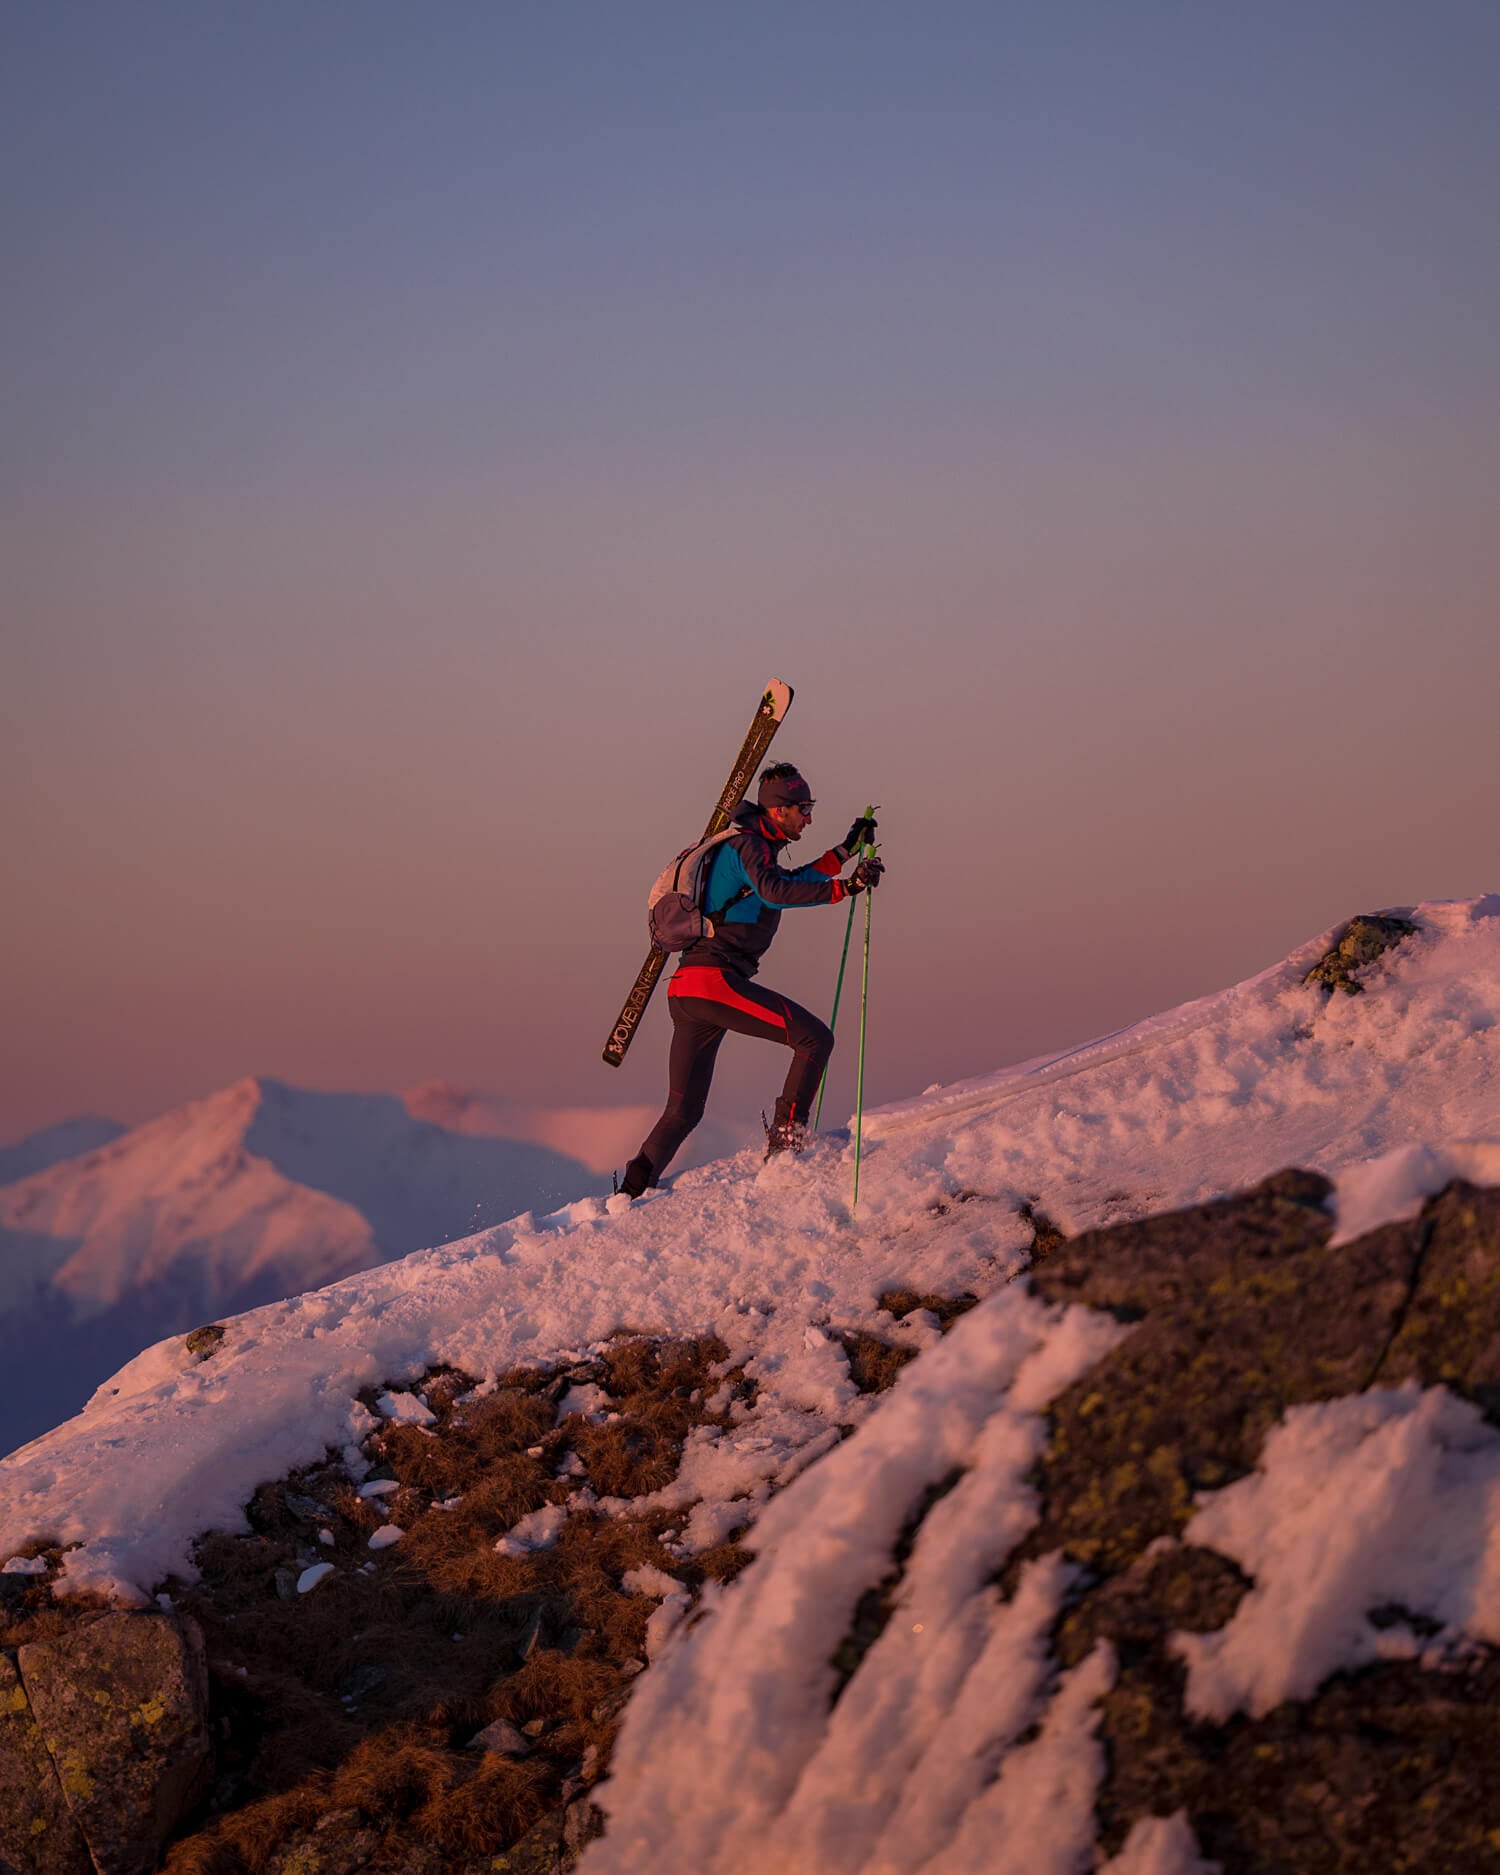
37	1833
122	1703
1242	1312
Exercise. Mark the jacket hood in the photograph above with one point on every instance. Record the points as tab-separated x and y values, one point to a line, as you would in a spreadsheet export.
753	820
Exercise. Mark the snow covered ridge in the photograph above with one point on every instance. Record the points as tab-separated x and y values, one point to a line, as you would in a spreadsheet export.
1205	1100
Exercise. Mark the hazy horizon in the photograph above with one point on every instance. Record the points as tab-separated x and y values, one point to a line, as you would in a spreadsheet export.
427	432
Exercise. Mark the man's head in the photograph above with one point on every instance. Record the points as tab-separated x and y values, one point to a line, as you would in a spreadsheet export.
785	799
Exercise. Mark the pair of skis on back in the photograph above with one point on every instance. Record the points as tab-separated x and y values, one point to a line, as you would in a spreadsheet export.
763	726
774	705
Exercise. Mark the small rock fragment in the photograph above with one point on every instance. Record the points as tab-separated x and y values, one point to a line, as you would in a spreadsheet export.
501	1738
406	1409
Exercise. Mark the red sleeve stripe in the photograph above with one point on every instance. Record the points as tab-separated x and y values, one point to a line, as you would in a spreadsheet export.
830	863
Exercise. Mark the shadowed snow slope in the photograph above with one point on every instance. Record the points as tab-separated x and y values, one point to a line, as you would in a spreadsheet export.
53	1144
253	1193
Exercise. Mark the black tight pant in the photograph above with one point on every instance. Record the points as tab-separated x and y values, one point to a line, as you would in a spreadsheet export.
699	1025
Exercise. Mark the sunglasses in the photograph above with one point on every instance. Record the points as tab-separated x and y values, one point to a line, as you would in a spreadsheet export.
805	807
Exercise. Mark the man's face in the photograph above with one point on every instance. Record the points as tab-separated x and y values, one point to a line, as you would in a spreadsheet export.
791	821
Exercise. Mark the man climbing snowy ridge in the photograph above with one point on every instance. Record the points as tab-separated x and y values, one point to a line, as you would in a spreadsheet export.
744	891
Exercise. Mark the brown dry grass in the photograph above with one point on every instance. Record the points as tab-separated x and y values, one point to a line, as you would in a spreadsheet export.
901	1303
873	1363
343	1716
28	1610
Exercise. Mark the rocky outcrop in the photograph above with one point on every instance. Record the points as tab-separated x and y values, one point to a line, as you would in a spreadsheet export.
1363	940
103	1744
202	1343
1241	1313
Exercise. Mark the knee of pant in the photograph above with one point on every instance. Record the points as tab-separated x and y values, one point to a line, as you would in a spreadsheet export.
818	1043
688	1108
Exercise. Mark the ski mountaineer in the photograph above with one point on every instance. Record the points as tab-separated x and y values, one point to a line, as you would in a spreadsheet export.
744	892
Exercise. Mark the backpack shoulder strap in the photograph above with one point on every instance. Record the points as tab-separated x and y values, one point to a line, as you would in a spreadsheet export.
744	892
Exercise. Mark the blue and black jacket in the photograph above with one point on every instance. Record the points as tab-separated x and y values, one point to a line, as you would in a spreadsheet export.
746	890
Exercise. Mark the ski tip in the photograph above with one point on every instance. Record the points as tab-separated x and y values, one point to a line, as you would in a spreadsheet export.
779	698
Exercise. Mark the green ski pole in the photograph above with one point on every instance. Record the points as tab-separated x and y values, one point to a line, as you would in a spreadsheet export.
838	991
859	1090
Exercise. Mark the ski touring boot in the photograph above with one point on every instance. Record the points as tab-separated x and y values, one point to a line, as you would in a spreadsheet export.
784	1132
640	1176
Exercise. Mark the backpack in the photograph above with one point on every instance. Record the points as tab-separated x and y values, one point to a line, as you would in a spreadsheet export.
675	914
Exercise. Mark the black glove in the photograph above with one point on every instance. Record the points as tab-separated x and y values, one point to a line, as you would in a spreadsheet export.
862	833
866	875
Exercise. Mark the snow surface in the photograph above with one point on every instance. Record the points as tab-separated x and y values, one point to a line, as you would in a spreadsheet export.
1226	1090
1161	1845
1395	1184
731	1759
956	1733
538	1529
1388	1499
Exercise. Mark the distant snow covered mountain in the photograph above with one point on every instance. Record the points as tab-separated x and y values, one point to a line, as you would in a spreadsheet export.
259	1191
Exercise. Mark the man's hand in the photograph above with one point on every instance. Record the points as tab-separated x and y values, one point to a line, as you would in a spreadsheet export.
862	833
866	875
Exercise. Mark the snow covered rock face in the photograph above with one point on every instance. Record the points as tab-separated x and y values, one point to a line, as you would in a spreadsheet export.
1205	1573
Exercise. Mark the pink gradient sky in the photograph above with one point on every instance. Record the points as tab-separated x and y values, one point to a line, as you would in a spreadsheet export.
422	447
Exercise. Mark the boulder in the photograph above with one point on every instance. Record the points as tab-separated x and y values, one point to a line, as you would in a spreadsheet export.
122	1702
37	1833
203	1342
